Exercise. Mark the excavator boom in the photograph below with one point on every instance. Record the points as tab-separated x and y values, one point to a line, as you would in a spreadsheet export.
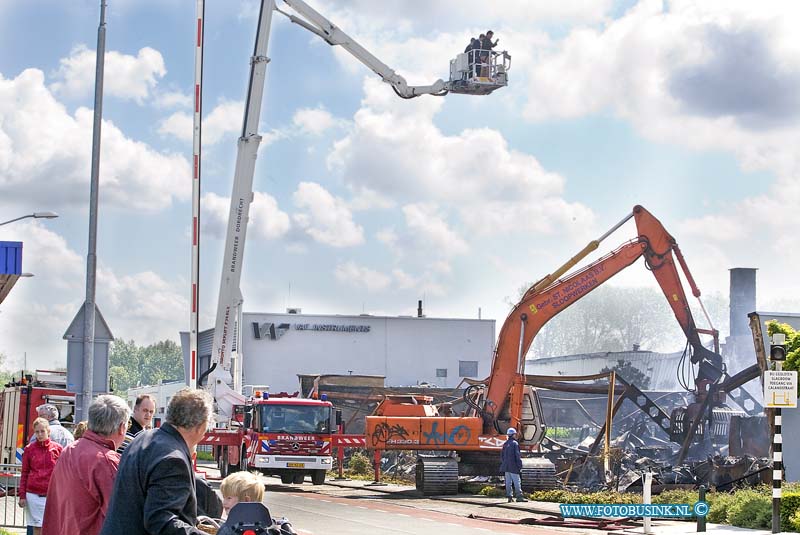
540	304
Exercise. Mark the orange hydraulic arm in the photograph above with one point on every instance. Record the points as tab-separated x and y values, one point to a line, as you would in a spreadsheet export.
551	295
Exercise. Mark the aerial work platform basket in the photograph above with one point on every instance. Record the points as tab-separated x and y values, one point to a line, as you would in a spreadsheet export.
474	74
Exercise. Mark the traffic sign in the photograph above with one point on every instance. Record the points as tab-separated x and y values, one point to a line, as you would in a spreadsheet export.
780	389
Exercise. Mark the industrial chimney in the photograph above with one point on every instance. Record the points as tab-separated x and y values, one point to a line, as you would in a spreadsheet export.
742	300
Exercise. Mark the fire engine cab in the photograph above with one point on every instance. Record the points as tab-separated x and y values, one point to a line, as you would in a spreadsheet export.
281	435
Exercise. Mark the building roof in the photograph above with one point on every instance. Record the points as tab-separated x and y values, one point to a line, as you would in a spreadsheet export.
661	368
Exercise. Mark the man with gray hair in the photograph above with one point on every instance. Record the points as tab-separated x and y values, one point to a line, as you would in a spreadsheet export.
58	433
155	487
83	479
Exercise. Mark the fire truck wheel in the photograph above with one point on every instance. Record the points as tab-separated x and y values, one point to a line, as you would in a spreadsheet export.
299	477
318	477
287	478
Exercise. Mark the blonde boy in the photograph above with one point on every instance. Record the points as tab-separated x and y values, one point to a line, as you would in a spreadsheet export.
241	487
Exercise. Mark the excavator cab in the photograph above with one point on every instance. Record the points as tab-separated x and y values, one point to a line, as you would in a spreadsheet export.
471	75
532	426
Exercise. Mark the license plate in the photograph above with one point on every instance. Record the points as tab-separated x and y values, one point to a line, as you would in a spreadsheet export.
296	465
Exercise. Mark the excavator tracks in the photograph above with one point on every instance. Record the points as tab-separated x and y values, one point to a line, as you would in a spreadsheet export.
538	473
437	475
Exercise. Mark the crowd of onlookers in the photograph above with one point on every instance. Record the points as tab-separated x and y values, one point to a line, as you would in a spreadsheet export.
117	474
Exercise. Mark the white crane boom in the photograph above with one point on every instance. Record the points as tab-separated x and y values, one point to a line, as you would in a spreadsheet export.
230	295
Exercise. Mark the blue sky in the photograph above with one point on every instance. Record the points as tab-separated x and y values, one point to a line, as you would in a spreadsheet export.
367	203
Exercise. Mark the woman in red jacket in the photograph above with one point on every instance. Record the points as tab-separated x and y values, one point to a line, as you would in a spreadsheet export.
38	461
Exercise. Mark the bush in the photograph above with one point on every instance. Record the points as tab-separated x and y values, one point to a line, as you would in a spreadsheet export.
201	456
565	496
718	505
493	492
793	522
790	507
750	509
359	463
678	496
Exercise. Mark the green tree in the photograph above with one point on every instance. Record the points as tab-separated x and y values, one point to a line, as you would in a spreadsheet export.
792	343
5	373
131	365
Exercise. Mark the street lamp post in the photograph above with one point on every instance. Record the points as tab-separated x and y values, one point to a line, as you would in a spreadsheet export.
36	215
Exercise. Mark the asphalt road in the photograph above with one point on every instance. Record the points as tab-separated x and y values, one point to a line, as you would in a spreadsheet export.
315	513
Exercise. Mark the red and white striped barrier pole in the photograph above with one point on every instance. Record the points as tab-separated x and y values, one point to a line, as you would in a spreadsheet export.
340	454
196	138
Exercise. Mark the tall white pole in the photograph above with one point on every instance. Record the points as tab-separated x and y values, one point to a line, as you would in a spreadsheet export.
194	332
91	257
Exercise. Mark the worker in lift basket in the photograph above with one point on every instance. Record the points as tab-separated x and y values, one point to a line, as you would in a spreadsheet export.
511	466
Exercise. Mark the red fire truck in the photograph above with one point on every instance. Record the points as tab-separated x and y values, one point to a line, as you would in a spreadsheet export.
281	435
18	402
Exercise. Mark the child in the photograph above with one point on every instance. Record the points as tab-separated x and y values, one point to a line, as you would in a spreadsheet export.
241	487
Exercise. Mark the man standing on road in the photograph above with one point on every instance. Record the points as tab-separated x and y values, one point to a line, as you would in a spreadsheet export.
58	433
155	489
142	418
511	465
83	478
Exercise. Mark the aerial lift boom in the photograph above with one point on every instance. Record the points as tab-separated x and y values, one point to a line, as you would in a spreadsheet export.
226	327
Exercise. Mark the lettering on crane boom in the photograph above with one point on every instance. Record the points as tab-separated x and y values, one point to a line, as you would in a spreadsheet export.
570	291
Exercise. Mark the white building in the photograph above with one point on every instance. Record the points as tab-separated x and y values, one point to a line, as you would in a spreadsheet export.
405	350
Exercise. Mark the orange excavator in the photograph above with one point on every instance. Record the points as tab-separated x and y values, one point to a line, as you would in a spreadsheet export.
470	444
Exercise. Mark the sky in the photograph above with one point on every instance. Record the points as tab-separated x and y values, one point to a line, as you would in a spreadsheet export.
366	203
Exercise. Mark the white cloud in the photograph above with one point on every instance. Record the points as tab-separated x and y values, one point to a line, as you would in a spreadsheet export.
173	99
267	221
353	274
396	151
46	255
140	306
224	119
431	231
127	77
179	125
324	217
52	164
313	121
357	17
709	76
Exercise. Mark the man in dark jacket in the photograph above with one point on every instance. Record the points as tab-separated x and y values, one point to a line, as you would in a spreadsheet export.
154	492
486	52
511	465
142	418
472	51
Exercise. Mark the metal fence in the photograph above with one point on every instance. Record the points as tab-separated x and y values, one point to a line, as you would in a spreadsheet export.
11	516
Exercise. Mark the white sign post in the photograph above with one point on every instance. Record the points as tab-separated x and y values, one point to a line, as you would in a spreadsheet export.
780	389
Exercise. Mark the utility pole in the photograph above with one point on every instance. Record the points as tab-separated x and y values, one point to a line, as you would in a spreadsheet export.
91	257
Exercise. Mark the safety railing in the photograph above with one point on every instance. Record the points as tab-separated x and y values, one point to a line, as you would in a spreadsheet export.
11	515
487	63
